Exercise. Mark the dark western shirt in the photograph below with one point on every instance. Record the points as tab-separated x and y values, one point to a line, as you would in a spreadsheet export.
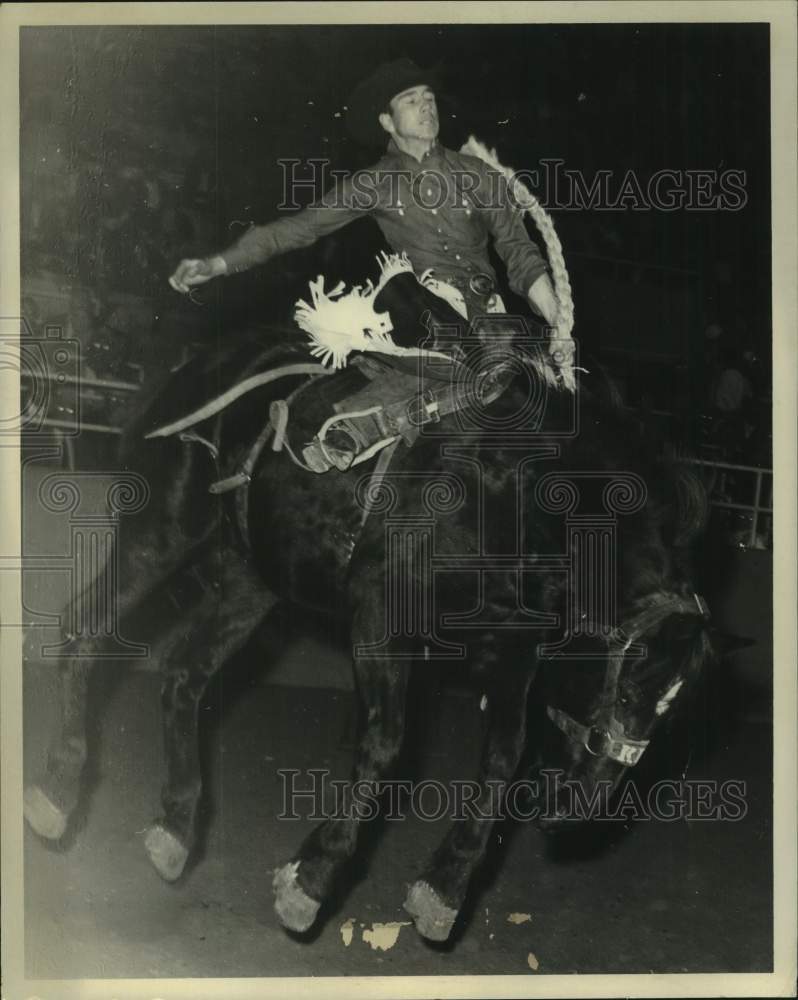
440	212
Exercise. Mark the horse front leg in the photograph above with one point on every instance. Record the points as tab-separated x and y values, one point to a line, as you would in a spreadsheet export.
436	897
302	885
230	602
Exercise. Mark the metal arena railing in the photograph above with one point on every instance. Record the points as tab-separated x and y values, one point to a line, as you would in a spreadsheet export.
757	509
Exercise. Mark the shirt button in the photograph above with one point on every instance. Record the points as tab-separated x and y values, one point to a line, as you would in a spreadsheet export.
445	246
457	256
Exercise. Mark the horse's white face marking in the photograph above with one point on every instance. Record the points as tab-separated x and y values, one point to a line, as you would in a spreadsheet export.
665	701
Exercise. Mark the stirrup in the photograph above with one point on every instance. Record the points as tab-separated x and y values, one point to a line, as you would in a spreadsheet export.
321	458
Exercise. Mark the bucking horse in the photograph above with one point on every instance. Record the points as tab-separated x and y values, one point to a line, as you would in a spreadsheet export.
547	534
530	526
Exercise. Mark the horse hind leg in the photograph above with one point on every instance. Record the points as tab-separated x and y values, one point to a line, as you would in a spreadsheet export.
153	544
52	797
223	618
50	800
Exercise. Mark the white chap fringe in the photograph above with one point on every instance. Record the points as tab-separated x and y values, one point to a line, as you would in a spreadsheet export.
562	285
340	323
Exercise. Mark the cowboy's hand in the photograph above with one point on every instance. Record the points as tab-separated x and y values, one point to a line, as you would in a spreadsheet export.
562	351
196	272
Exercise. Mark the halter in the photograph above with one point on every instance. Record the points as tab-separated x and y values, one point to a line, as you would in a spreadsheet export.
605	737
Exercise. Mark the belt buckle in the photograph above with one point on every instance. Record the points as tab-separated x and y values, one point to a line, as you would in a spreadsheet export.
481	284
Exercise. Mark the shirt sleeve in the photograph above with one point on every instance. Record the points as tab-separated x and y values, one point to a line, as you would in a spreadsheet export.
350	199
521	256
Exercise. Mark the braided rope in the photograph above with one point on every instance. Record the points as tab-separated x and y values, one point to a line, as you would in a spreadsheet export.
528	203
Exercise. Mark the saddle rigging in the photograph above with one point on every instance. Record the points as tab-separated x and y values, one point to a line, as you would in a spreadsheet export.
391	332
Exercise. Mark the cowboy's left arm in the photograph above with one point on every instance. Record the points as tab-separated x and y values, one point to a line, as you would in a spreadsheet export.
527	271
542	299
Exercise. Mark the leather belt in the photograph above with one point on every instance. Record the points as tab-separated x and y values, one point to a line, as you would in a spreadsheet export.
476	287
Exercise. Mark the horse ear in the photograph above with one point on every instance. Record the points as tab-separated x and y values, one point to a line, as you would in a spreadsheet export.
726	643
682	627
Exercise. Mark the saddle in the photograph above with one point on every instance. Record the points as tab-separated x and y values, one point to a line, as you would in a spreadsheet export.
408	368
411	353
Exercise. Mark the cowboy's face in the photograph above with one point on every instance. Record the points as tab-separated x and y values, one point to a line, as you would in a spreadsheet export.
412	114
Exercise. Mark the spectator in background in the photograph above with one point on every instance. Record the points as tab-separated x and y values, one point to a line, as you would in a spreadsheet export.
731	390
731	403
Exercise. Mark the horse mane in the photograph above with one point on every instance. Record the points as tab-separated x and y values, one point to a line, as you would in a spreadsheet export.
684	516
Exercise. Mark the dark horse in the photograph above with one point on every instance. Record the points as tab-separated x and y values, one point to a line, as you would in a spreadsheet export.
541	532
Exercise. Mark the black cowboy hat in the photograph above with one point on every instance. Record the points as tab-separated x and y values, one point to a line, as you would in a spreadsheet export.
372	96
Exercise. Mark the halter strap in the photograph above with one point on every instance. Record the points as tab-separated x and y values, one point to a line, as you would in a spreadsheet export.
598	739
597	742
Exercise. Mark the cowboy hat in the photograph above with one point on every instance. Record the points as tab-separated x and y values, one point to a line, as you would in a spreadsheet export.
373	95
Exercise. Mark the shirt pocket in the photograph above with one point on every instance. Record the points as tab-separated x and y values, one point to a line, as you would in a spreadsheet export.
466	226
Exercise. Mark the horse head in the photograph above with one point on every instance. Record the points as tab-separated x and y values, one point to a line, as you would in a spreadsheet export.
606	698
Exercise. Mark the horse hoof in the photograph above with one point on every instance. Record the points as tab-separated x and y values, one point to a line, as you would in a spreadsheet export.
166	852
433	918
294	908
43	815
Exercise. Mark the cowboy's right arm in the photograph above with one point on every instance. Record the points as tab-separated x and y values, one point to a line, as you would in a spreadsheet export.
344	203
348	200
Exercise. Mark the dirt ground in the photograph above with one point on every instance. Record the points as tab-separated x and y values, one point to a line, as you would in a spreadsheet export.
685	896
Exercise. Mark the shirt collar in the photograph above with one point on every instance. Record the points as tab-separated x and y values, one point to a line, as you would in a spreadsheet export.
433	155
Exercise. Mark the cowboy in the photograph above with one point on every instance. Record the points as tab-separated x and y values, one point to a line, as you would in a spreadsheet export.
436	208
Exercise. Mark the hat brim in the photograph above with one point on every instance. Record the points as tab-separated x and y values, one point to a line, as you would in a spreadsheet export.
372	97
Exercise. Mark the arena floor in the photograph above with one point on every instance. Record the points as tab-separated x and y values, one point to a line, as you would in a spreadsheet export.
662	897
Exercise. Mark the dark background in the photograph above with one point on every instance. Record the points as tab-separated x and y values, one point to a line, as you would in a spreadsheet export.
142	145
